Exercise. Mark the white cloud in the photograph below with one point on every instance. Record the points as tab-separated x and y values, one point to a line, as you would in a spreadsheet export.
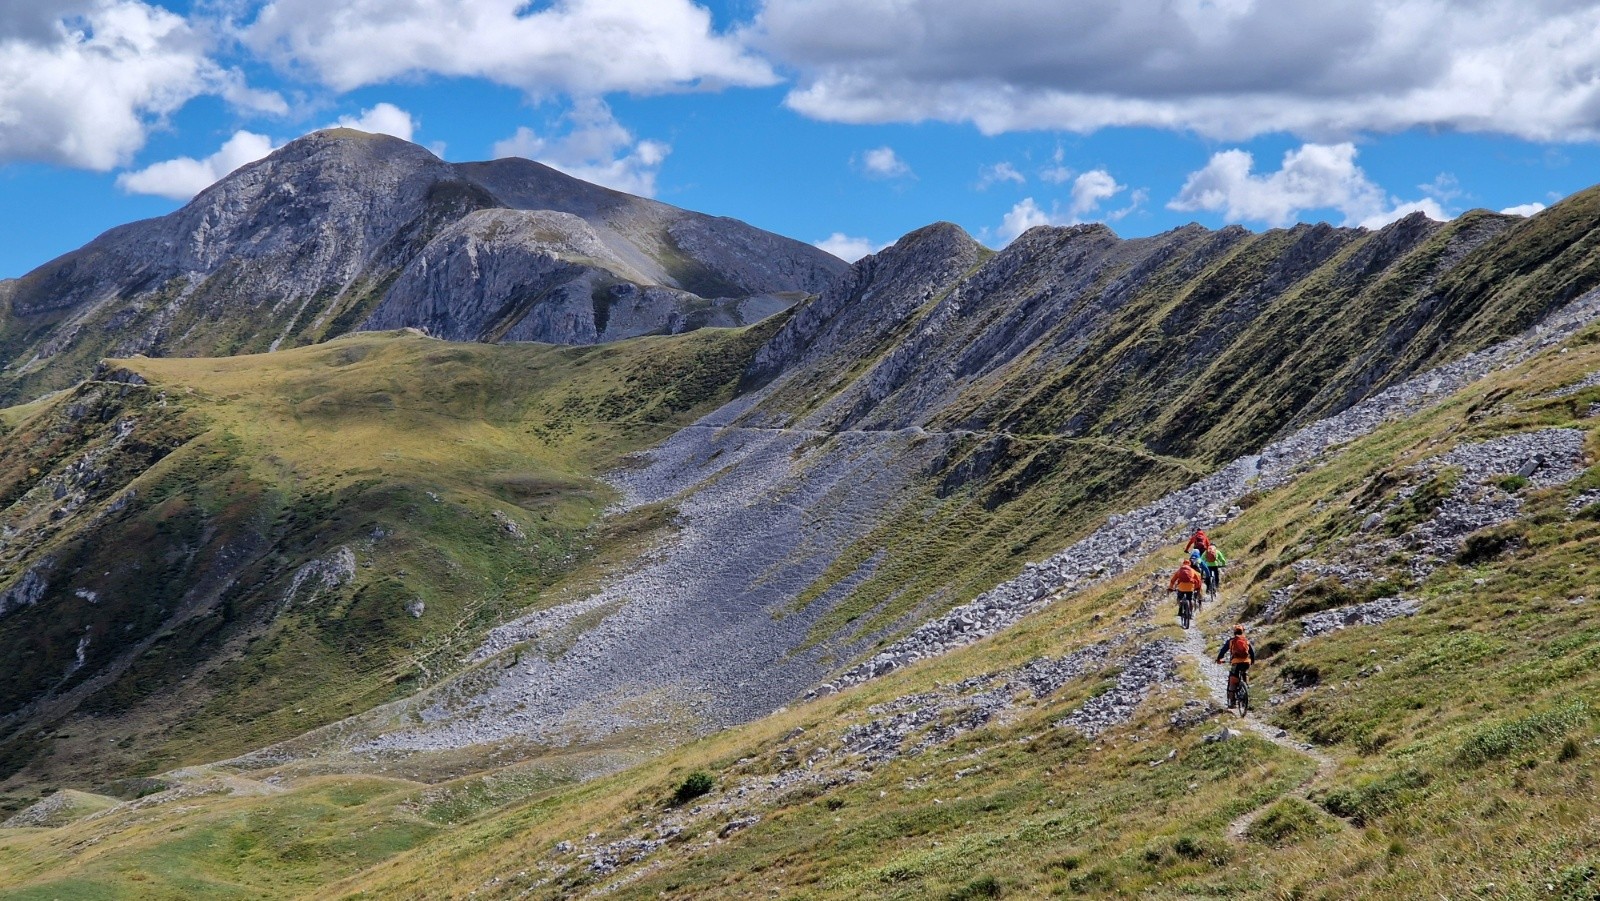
999	172
1313	177
383	119
1523	209
184	177
583	47
1228	69
883	162
848	248
596	148
1024	215
1089	191
1057	172
84	91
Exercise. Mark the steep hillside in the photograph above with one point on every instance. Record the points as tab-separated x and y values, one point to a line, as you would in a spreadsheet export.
1419	575
859	500
942	415
343	228
204	556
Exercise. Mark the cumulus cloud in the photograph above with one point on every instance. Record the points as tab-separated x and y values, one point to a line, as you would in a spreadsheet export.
1089	191
1228	69
999	172
184	177
1523	209
584	47
595	147
882	162
82	85
1312	177
1025	215
848	248
382	119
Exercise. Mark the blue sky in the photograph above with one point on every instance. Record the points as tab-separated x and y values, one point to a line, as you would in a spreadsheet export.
841	122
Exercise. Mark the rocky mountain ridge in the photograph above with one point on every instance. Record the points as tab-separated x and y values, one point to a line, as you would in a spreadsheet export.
342	230
940	403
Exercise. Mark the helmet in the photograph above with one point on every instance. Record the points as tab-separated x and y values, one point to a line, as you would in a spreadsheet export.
1194	554
1238	628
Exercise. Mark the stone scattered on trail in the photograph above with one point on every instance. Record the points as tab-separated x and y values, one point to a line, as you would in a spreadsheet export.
1225	735
1192	713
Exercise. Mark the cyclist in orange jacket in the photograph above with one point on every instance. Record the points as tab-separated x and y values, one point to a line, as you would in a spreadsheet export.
1187	582
1241	652
1198	541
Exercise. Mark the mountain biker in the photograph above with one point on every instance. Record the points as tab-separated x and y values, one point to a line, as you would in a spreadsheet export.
1197	541
1187	582
1241	652
1211	563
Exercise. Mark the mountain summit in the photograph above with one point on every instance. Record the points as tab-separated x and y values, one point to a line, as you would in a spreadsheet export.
343	230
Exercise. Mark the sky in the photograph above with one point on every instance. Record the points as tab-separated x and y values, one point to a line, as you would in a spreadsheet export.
843	123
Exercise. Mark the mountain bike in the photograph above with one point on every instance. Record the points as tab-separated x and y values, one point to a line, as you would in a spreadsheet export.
1213	584
1239	692
1185	609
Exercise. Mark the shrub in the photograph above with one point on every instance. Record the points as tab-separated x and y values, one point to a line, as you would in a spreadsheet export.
1513	483
1487	545
698	783
982	887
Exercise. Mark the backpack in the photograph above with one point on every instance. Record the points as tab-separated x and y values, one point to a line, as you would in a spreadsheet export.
1239	647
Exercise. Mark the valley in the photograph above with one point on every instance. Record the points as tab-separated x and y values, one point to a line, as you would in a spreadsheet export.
424	609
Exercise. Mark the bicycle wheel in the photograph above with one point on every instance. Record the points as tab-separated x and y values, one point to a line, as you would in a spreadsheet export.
1242	697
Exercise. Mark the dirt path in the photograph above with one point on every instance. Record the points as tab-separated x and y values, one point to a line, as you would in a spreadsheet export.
1216	681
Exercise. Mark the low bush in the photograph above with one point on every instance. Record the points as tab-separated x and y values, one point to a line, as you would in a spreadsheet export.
698	783
982	887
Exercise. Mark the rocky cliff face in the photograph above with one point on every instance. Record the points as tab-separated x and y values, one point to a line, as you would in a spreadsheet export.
343	230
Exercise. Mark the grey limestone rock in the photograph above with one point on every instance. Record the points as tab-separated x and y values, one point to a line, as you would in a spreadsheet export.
1369	614
28	589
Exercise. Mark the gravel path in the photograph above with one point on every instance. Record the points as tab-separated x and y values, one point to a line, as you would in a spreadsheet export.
1215	677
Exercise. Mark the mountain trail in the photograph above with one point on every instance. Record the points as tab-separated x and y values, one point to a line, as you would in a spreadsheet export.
1215	678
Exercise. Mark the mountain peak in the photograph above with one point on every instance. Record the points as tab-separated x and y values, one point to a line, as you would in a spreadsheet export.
313	240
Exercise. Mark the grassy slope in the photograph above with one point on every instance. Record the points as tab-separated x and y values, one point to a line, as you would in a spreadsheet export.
1465	764
1217	353
398	447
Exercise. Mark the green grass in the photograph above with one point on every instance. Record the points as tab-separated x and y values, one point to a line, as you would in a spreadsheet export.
242	470
1462	741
